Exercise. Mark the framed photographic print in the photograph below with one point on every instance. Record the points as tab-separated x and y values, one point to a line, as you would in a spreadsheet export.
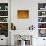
22	14
4	29
42	32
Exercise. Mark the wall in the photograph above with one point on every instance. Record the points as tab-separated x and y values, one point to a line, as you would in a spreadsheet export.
23	24
32	6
